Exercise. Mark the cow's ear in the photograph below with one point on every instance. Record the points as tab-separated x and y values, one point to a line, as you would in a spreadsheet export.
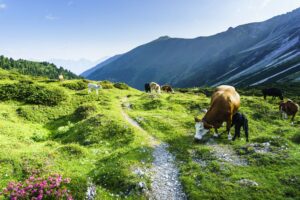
197	119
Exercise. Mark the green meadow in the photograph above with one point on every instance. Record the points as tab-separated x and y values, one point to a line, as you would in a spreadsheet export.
49	127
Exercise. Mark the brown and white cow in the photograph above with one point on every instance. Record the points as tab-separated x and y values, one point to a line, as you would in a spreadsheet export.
154	87
167	88
225	102
288	108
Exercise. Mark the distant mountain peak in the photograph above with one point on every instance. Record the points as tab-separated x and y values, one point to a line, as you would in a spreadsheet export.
163	38
249	54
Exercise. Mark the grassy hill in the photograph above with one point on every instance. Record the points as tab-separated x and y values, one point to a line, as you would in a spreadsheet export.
86	137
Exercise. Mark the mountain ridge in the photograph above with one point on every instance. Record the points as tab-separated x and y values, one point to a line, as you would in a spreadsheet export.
236	52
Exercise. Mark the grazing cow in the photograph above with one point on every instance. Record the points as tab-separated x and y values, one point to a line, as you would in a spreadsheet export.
240	120
147	87
154	87
167	88
225	102
94	87
288	108
274	92
60	77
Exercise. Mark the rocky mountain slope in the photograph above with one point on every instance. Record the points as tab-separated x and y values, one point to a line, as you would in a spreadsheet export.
100	65
249	54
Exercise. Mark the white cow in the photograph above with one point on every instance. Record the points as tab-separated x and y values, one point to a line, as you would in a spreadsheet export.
94	87
60	77
155	87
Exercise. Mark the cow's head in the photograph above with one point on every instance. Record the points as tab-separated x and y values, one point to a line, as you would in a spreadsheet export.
201	128
281	97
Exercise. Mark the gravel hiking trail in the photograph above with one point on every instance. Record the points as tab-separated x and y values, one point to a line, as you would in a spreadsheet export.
164	174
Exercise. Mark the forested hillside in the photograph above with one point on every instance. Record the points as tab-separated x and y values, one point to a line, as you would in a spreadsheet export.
35	68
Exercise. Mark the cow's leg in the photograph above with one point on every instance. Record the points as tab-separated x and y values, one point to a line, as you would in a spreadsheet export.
247	135
235	132
216	134
282	114
293	116
89	90
239	131
228	126
97	91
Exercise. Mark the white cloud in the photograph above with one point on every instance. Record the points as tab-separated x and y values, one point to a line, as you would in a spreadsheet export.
2	6
51	17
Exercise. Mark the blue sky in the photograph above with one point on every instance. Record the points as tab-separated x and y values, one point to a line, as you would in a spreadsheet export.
93	29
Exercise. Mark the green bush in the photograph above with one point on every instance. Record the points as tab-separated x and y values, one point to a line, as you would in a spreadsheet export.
73	150
31	93
154	104
97	129
269	159
112	175
39	137
296	138
204	154
106	84
121	86
83	111
274	141
75	85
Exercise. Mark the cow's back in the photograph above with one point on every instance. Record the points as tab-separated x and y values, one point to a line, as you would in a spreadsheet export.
292	107
226	98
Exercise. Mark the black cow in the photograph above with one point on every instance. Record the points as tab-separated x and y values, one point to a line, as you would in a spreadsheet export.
240	120
274	92
147	87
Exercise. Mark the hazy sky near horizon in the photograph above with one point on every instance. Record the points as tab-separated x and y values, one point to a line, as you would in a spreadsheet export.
93	29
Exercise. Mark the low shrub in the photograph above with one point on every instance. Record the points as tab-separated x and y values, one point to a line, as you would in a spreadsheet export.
31	93
50	81
154	104
83	111
22	112
96	130
204	154
294	181
106	84
39	137
75	85
268	159
296	138
121	86
114	176
73	150
276	141
52	187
